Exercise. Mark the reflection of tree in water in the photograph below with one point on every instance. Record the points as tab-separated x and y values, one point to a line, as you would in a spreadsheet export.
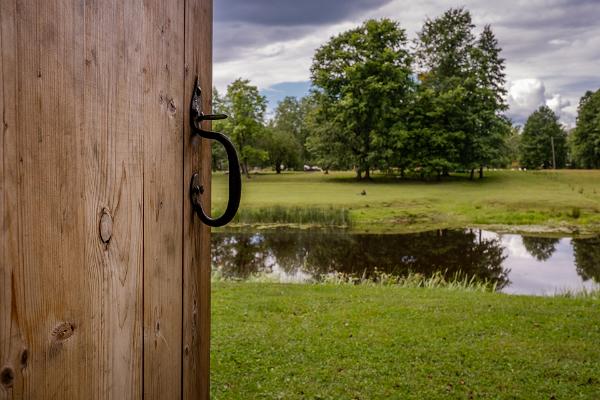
319	253
238	255
587	258
539	247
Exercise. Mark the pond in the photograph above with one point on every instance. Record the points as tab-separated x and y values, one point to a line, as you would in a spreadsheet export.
517	264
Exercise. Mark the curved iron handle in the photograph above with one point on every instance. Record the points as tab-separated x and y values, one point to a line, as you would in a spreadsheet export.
235	178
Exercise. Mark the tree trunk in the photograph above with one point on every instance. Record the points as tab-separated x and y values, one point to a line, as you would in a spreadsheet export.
481	172
402	173
278	168
245	169
358	174
367	173
472	174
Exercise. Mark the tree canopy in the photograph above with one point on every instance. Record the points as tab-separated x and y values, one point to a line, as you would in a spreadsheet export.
544	141
428	108
363	77
246	109
586	139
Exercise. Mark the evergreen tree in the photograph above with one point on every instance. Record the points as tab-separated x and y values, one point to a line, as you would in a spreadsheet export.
465	77
544	141
586	139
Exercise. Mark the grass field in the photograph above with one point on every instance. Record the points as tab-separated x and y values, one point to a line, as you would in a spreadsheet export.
546	201
274	341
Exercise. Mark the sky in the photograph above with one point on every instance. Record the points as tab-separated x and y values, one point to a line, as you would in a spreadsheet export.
551	47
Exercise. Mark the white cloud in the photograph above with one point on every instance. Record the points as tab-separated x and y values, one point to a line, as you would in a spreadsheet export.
526	95
551	47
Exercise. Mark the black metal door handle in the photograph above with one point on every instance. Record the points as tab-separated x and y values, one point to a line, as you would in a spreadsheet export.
235	178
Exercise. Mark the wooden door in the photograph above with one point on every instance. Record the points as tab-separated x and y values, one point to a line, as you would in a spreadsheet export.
105	272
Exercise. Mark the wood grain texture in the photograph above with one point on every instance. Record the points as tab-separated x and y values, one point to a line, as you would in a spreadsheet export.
196	236
73	142
105	271
163	197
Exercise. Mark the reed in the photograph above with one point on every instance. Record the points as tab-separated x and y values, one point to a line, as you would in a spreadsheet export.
321	216
438	280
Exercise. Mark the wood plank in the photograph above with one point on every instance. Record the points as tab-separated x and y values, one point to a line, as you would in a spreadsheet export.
163	197
113	102
72	150
196	236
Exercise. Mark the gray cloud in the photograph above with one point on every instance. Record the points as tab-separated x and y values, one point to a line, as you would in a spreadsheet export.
290	13
553	42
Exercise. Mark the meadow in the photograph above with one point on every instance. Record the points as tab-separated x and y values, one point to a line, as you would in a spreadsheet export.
561	201
277	341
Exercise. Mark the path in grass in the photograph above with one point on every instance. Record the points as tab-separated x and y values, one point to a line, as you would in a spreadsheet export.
273	341
567	201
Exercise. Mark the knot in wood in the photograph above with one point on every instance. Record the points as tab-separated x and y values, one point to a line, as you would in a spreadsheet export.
63	331
7	377
106	226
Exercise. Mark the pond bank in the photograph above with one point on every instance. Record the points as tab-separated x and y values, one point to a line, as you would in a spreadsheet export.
372	342
565	202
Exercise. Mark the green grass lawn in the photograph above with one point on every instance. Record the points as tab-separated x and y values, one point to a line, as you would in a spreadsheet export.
559	201
275	341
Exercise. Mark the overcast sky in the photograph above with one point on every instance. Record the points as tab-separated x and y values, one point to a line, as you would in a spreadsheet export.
552	47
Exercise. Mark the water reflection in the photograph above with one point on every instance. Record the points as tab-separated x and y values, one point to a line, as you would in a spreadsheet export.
516	264
587	258
539	247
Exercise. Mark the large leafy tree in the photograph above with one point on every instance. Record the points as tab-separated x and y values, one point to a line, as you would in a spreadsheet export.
245	126
586	139
544	141
325	143
462	78
364	80
290	120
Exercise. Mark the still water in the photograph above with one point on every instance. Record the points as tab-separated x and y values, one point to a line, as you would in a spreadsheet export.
517	264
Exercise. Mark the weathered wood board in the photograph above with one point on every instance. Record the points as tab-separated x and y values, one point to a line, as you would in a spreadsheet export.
105	272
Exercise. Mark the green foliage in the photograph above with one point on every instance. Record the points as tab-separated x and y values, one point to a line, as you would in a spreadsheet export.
586	137
276	341
287	134
512	147
363	80
245	125
541	133
282	147
459	104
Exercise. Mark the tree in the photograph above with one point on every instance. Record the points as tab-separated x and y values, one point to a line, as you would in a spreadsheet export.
364	79
491	126
512	147
291	117
456	69
282	147
245	125
586	137
544	141
325	142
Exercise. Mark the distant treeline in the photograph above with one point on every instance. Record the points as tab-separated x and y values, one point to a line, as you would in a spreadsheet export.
425	108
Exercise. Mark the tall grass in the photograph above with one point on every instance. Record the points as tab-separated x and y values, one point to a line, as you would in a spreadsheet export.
322	216
438	280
